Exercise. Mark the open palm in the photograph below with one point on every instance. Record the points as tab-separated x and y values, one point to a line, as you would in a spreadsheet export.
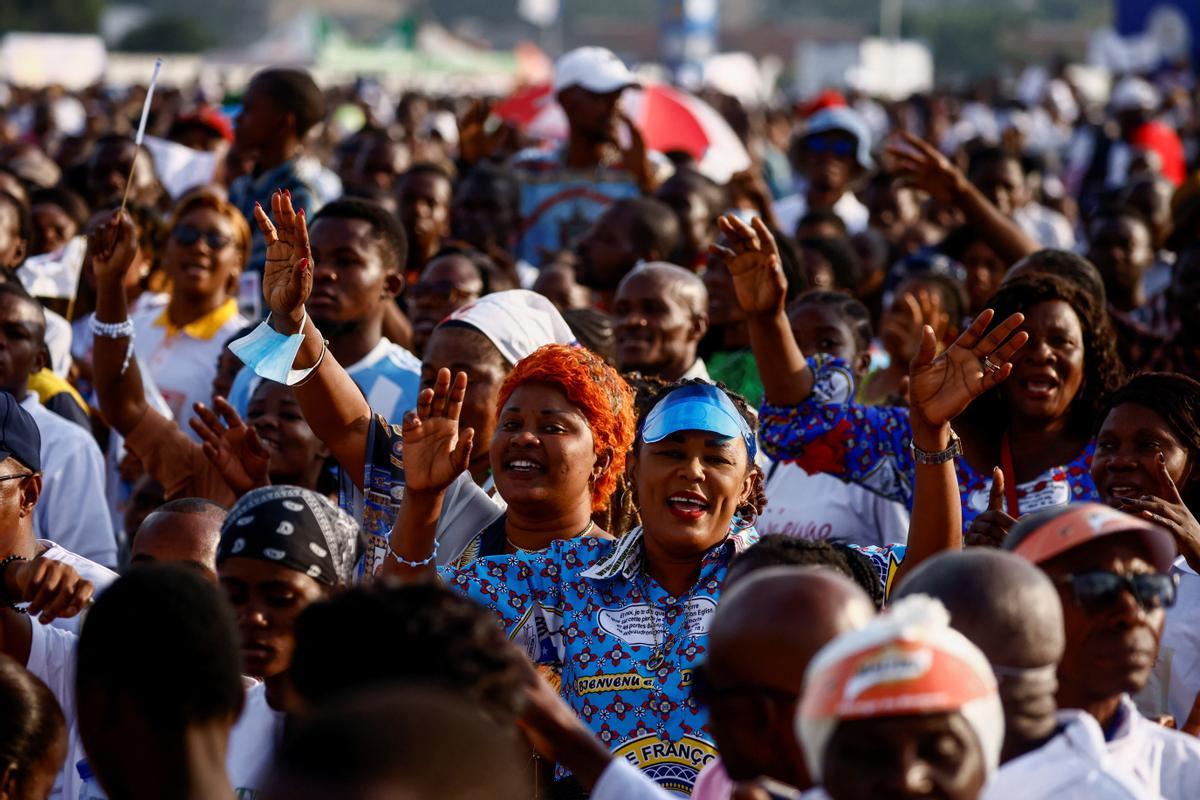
435	452
941	387
232	447
753	261
287	275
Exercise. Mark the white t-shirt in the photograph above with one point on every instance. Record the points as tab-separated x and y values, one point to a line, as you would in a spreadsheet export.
183	363
100	577
72	510
252	744
1165	761
1176	679
820	506
52	659
1074	765
791	209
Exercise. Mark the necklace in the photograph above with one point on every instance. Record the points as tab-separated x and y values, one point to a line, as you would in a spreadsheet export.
663	645
586	530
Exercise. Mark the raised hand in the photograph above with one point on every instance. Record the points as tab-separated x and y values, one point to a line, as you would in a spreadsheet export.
475	141
635	159
1167	509
753	260
919	164
991	527
435	451
232	447
901	331
288	274
941	387
112	247
53	589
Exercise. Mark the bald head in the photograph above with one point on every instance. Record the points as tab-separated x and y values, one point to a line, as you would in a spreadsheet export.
1010	610
673	280
769	625
182	531
661	314
1001	602
766	629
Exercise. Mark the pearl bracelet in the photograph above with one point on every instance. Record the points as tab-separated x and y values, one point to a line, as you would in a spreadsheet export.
416	564
115	330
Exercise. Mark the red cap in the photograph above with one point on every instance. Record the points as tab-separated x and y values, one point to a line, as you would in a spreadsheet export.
210	118
828	98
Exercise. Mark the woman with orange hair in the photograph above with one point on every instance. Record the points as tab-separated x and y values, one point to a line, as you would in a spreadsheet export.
207	245
564	422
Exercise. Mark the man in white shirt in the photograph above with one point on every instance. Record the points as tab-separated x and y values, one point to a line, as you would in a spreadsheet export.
1011	612
1000	176
72	511
21	493
35	641
660	316
1112	572
832	153
358	252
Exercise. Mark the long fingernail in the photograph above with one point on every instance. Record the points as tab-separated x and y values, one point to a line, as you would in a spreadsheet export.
302	213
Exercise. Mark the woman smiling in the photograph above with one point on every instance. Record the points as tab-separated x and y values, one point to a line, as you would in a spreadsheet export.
206	250
1026	444
564	421
624	620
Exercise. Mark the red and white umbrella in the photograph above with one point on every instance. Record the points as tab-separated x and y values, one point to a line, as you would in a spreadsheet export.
668	118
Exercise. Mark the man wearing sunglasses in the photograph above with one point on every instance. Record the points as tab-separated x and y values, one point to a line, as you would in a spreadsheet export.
1010	610
830	156
1112	575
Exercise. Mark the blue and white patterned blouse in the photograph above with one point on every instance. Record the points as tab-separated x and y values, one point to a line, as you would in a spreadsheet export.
587	607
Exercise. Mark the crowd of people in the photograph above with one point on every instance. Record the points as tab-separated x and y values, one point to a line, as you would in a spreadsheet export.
426	459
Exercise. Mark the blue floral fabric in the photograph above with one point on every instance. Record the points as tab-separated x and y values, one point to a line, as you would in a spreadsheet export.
587	607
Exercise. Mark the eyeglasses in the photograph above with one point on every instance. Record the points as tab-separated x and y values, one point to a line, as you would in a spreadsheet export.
15	477
1097	591
830	145
187	236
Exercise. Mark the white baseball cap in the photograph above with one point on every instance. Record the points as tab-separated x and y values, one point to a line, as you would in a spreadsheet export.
1134	94
596	69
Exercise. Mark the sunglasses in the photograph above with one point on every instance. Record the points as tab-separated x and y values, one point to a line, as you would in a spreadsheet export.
832	146
1097	591
187	236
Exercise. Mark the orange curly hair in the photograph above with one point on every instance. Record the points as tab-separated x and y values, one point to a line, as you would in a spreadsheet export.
597	390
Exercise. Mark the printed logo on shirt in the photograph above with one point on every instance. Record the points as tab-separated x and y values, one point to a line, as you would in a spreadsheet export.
642	624
618	682
672	765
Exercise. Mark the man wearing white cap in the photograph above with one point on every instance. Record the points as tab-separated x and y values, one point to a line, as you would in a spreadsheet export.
832	152
565	189
1098	161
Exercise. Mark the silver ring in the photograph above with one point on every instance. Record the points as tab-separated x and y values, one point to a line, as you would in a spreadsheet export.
989	365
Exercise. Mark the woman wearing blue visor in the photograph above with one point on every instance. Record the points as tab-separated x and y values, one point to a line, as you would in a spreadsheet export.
625	620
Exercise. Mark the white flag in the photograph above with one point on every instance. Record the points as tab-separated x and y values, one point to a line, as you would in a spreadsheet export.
181	168
54	274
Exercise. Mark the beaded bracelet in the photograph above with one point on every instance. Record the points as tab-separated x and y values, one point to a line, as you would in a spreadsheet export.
116	330
416	564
